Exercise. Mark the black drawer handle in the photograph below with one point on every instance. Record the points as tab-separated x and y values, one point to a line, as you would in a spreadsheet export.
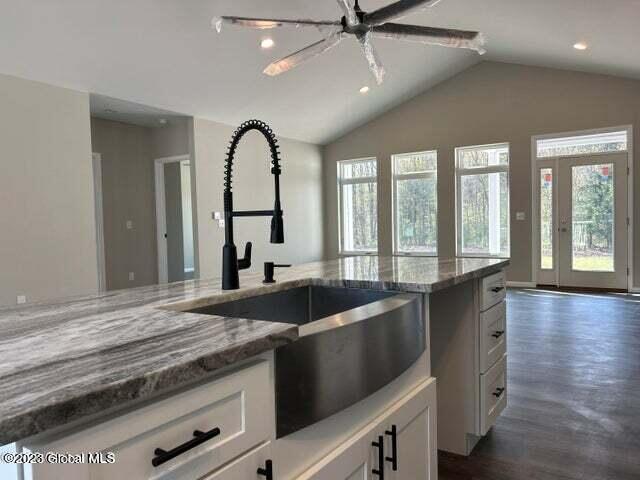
393	459
267	471
499	391
162	456
497	333
380	446
497	289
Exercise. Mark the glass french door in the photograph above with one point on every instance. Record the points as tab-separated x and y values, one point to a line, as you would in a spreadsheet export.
582	219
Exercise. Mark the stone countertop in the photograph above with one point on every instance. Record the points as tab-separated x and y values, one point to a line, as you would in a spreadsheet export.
65	360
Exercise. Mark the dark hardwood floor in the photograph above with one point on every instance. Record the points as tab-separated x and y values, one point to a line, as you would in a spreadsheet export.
574	393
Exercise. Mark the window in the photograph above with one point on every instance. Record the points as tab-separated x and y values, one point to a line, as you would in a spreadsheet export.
546	218
582	144
358	200
415	203
482	200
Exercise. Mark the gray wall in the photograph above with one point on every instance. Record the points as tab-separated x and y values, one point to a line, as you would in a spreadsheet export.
488	103
128	183
47	220
128	194
301	189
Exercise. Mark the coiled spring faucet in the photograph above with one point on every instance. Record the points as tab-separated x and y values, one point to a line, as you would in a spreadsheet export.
230	263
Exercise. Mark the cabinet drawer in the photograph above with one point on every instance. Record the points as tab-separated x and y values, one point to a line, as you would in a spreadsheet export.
493	335
493	394
237	404
493	290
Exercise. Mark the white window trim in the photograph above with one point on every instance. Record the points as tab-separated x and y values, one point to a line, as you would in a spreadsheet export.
535	254
352	181
461	172
394	209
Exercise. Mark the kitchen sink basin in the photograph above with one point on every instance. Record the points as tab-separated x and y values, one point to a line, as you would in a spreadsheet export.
351	343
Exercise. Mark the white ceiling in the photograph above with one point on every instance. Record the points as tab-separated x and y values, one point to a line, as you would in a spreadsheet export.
163	53
129	112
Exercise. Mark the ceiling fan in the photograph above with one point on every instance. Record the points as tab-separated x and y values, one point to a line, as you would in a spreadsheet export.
363	25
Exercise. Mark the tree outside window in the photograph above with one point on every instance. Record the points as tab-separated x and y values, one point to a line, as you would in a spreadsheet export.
415	203
482	208
358	195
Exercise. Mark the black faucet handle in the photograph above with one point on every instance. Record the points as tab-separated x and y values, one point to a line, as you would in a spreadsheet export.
269	269
245	262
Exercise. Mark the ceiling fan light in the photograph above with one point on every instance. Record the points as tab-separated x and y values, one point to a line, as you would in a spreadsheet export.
580	46
364	90
267	43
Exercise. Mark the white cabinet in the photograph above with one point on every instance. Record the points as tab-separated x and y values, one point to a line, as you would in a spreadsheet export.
246	467
410	424
468	345
493	394
493	335
187	435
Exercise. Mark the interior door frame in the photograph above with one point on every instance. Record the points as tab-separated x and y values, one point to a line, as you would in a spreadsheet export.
96	159
535	212
161	213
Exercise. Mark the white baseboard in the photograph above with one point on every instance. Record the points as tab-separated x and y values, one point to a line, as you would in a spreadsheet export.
634	290
521	284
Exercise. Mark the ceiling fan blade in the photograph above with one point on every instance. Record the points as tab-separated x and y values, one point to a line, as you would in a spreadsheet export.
349	12
432	36
396	10
372	57
295	59
267	23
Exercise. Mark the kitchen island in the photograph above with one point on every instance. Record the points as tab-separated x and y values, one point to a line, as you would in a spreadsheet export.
132	372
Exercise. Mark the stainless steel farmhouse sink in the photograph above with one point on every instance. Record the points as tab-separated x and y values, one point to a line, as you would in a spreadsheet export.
352	343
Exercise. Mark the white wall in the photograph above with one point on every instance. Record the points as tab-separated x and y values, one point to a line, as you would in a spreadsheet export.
301	192
47	219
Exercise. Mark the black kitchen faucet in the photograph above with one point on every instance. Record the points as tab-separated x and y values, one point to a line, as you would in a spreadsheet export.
230	263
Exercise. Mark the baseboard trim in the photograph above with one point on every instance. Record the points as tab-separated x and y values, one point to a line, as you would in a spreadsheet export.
521	284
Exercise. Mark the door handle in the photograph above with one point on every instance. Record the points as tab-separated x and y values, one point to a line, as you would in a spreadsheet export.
498	393
380	446
497	333
393	459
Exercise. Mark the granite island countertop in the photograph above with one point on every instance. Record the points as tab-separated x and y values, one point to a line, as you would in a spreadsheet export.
65	360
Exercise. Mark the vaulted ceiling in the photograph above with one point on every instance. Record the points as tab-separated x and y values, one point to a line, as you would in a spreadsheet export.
163	53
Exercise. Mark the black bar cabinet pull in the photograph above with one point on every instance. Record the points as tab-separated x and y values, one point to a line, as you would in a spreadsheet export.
497	289
393	459
267	471
380	446
162	456
499	391
497	333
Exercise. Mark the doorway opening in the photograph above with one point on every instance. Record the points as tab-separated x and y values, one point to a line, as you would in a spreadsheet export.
174	214
582	209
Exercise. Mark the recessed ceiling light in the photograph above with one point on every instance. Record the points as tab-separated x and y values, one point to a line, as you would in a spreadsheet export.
364	89
580	46
267	43
163	121
109	110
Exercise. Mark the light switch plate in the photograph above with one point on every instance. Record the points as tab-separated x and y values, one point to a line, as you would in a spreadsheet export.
520	216
129	224
217	215
132	276
20	299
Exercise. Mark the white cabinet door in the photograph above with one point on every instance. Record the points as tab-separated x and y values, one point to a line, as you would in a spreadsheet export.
353	460
416	450
246	467
414	419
